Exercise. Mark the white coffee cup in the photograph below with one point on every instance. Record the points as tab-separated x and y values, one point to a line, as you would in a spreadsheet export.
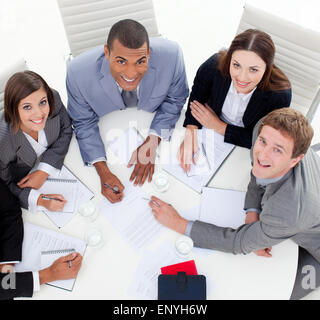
88	210
94	238
184	246
160	181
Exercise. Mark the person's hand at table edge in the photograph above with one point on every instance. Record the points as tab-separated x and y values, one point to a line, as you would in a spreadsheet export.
144	160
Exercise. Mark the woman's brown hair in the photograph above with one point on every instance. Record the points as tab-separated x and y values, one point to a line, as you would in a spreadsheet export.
260	43
19	86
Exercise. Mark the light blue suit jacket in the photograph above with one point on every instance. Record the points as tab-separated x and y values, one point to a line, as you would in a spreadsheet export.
93	92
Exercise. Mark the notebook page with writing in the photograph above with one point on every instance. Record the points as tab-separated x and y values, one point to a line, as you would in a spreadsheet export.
38	239
216	152
66	187
48	257
124	145
82	195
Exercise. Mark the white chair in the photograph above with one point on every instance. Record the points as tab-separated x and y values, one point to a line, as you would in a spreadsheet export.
297	54
5	74
87	22
316	147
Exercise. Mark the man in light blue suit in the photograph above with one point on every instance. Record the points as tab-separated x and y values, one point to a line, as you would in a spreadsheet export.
128	71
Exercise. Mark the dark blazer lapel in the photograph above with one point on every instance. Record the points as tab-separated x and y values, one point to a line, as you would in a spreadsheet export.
24	149
109	85
146	86
253	110
52	129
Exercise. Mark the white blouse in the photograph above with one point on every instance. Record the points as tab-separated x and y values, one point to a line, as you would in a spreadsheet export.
234	106
39	147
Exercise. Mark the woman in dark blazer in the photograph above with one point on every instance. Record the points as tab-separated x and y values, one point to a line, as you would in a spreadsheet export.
35	133
232	90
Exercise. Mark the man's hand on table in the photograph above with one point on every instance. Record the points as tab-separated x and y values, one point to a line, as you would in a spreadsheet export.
167	215
108	178
144	158
252	217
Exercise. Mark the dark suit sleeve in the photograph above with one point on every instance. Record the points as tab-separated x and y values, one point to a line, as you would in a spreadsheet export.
16	285
56	152
11	226
243	136
202	87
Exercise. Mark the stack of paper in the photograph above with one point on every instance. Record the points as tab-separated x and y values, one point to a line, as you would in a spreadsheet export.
214	149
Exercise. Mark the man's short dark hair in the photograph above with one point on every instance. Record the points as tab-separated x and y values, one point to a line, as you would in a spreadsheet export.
129	33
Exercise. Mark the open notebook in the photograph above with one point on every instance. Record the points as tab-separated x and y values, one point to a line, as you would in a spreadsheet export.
213	152
43	246
76	193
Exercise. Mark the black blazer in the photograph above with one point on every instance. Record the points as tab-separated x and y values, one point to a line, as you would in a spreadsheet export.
11	237
23	286
210	86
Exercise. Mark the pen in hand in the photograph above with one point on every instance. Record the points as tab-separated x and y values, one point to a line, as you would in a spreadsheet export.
51	198
114	189
154	202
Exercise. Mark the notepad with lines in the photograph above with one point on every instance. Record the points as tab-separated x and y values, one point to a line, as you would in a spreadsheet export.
76	193
48	257
42	246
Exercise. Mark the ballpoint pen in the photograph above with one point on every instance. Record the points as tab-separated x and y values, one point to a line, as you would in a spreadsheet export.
154	202
51	198
114	189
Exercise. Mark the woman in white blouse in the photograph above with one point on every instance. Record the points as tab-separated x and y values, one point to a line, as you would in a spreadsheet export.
35	133
232	91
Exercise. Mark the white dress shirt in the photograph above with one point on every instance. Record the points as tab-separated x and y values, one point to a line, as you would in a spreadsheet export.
39	147
234	106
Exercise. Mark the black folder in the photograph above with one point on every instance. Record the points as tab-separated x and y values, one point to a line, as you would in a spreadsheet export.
182	287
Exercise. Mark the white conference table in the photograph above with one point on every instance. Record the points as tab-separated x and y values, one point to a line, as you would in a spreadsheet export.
107	272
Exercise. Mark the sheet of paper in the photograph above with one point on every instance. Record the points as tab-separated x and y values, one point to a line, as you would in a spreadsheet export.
124	145
216	152
191	214
202	165
83	194
223	208
144	284
132	217
37	239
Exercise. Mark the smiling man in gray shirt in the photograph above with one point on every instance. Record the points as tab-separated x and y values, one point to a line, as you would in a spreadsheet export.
282	200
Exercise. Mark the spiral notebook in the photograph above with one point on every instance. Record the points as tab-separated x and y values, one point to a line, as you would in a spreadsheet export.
66	187
48	257
73	190
42	246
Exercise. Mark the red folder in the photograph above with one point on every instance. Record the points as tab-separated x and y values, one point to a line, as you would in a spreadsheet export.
189	267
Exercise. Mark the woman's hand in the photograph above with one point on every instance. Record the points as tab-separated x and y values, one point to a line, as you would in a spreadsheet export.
207	117
33	180
188	151
52	202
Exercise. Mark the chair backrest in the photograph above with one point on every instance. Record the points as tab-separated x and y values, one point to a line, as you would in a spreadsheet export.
6	73
87	22
297	54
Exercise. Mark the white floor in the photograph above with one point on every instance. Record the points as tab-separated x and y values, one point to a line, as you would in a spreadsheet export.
33	29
